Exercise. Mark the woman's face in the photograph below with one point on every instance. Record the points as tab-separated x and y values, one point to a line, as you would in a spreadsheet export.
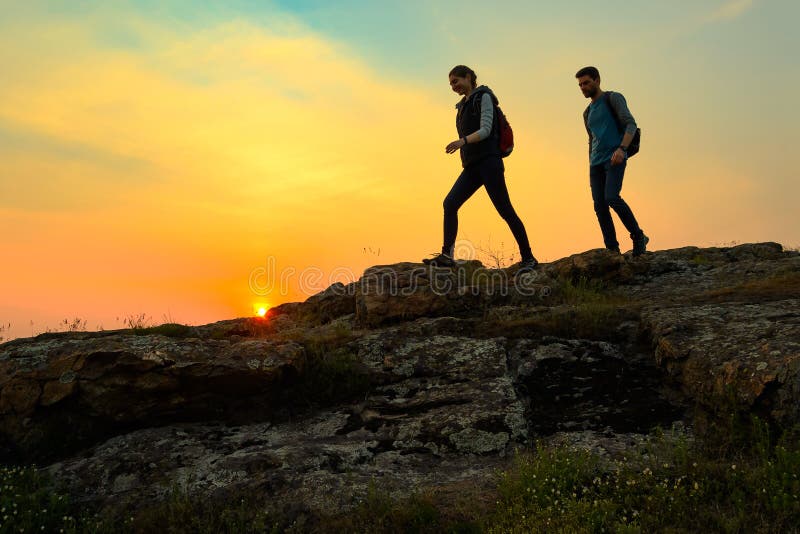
460	85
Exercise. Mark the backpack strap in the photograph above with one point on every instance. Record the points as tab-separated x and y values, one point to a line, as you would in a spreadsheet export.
607	98
477	98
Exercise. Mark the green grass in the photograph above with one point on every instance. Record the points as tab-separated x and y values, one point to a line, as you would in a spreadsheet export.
181	513
332	372
584	291
669	487
332	376
587	320
670	483
28	503
378	512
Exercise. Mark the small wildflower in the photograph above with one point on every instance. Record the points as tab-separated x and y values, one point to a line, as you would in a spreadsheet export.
733	467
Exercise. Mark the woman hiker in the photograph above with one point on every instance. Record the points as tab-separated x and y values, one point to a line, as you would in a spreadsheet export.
483	166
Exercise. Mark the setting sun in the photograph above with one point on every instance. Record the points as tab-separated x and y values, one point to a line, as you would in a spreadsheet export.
261	309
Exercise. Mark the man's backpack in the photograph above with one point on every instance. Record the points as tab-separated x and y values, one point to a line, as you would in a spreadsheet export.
633	148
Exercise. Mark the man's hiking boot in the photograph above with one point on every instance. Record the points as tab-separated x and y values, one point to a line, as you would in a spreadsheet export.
527	266
640	244
442	260
615	249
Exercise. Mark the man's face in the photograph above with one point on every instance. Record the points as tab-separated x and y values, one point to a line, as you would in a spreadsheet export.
589	86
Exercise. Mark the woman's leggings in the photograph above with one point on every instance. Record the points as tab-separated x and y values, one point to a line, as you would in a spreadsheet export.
489	173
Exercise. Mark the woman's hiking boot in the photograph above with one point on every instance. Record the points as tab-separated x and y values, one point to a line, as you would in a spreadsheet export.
527	266
441	260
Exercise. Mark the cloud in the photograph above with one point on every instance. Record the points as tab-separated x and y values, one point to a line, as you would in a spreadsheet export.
731	10
136	153
243	111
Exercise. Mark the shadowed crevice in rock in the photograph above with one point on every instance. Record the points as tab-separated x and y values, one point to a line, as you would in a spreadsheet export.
573	385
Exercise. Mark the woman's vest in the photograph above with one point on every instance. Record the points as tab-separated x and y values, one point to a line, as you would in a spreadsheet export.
468	120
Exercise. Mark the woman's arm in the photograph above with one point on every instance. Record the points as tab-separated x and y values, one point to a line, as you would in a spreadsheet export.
487	118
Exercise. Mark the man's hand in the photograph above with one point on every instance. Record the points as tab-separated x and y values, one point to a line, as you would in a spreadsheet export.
618	157
455	145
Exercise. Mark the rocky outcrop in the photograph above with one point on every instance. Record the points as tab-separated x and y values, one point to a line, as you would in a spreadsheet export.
75	389
411	377
438	402
748	351
406	291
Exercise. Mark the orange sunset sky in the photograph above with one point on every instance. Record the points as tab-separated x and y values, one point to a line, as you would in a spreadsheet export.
154	156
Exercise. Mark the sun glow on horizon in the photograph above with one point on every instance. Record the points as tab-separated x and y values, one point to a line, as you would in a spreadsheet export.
261	309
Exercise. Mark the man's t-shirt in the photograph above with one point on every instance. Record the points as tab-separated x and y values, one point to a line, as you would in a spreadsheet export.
605	136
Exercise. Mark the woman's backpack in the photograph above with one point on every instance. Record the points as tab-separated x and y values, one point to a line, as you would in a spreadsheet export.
506	133
502	129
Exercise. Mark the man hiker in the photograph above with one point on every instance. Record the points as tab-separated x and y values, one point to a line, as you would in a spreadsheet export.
611	130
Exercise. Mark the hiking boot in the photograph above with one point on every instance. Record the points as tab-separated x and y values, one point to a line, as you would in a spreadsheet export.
442	260
527	266
640	244
615	249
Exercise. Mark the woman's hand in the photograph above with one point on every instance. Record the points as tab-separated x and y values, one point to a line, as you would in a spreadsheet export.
455	145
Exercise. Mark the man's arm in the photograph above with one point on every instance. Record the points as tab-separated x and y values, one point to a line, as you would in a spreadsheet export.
588	131
620	108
